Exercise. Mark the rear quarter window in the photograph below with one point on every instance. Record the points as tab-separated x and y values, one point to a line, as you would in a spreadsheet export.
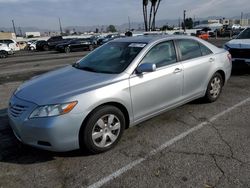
205	50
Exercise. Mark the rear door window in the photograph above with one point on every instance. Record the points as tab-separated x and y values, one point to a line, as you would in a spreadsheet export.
189	49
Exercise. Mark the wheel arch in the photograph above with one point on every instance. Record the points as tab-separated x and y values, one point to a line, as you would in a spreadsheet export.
115	104
222	73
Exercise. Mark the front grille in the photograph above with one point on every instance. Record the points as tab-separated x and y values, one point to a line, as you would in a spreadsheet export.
17	110
240	53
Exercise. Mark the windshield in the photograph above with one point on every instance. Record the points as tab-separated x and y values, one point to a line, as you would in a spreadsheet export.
112	58
244	34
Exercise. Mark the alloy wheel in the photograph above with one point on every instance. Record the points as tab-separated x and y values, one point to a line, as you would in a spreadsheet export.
106	130
215	87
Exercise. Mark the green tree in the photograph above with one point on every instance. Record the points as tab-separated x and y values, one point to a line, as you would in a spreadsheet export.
166	27
111	28
189	23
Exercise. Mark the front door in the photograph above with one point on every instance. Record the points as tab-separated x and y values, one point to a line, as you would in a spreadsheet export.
155	91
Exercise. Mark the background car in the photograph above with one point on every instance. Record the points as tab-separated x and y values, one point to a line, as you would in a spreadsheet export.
50	44
108	38
5	50
203	35
76	45
239	49
32	45
11	43
22	45
42	45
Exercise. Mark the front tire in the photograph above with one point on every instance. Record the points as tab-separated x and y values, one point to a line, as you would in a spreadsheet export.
214	88
102	130
3	54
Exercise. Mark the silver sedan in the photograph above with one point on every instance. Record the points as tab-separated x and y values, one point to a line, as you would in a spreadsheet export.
120	84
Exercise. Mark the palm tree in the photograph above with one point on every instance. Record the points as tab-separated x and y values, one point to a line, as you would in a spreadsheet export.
145	13
152	11
150	23
156	7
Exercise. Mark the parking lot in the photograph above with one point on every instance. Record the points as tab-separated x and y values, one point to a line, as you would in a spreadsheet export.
195	145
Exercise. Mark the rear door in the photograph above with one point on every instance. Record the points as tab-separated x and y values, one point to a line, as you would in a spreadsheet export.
196	60
75	45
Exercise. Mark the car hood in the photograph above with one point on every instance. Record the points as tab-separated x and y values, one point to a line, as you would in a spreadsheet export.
61	85
239	43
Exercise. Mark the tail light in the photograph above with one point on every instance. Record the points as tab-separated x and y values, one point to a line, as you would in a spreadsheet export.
229	57
16	45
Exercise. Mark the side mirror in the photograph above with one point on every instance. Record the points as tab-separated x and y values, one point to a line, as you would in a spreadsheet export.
146	67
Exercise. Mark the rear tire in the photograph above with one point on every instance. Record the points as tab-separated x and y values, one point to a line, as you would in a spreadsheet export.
67	49
214	88
91	47
102	130
45	47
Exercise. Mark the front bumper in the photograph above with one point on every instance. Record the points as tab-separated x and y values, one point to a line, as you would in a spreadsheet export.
59	133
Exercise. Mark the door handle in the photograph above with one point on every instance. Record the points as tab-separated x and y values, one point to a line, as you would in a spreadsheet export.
211	59
177	70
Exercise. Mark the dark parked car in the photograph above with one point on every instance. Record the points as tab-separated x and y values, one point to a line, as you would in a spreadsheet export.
76	45
50	43
239	48
108	38
42	45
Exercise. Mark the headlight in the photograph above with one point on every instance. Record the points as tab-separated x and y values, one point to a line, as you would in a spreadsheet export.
53	110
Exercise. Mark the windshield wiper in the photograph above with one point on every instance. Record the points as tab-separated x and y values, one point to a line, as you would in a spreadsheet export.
90	69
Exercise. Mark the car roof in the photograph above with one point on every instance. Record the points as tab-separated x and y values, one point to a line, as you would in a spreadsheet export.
149	39
152	38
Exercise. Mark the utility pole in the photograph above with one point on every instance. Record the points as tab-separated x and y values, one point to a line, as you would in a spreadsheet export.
128	23
241	17
14	28
194	22
179	23
60	25
184	20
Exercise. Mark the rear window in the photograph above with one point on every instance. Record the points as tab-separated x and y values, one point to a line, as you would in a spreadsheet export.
7	41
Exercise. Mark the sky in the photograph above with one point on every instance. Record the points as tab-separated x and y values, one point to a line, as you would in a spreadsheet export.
44	14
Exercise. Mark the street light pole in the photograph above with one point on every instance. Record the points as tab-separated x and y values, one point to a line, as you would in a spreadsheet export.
128	23
60	25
